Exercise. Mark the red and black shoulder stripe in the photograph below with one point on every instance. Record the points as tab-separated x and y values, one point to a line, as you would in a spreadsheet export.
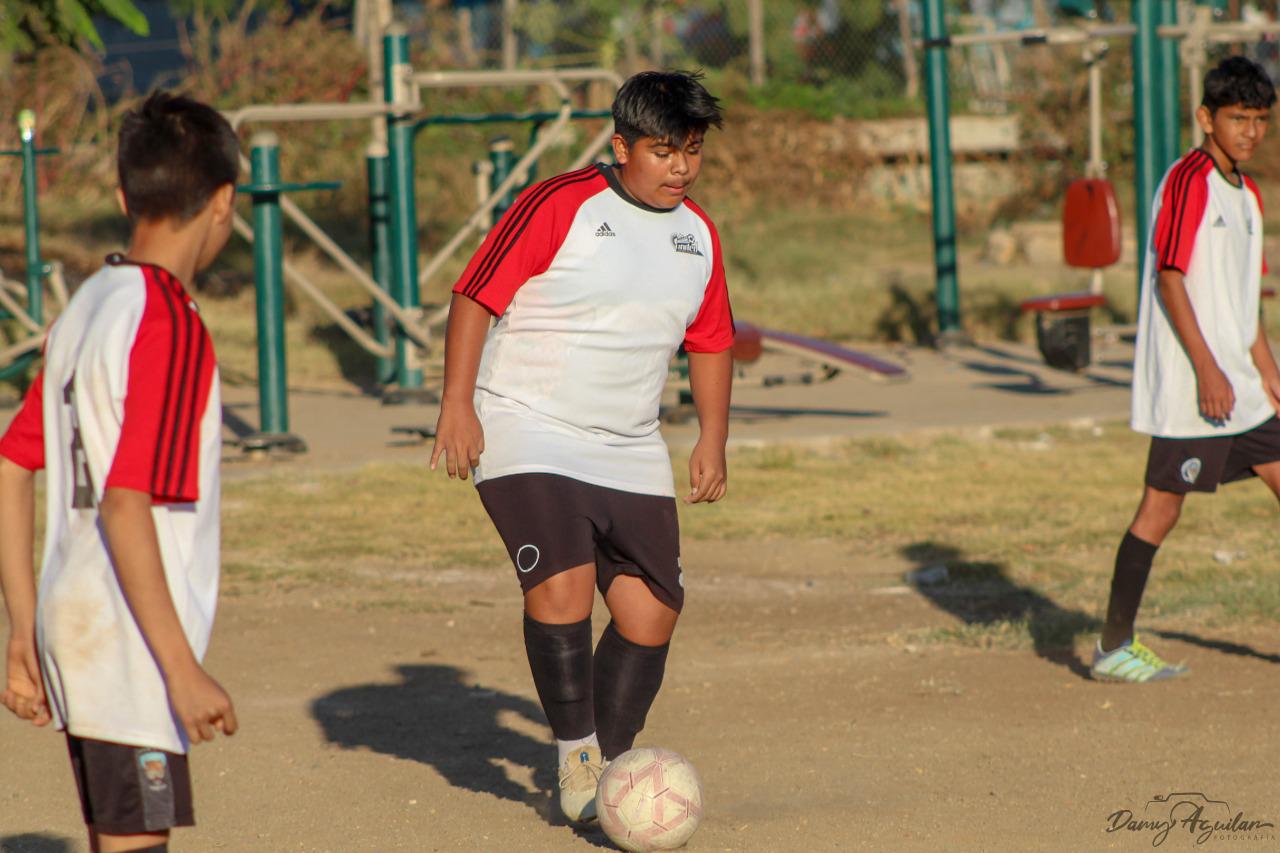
531	204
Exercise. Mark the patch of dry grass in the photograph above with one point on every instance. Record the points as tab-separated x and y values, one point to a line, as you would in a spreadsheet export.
1026	522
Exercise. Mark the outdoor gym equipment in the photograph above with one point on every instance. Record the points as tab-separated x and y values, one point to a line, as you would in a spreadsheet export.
400	333
1157	128
268	275
17	357
1090	240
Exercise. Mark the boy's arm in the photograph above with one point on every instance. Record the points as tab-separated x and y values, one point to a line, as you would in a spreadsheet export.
1265	361
711	381
459	435
200	704
1216	396
24	691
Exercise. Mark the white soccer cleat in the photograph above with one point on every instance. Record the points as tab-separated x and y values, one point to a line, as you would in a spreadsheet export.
579	778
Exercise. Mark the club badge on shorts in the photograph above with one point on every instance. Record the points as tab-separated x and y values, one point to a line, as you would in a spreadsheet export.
155	769
1191	470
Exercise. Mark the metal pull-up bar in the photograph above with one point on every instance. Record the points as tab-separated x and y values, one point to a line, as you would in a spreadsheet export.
1156	108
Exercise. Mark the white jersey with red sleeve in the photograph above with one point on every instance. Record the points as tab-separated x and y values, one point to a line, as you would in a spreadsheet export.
128	398
594	292
1210	229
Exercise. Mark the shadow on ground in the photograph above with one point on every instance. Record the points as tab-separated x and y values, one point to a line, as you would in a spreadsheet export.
981	593
1227	647
1026	371
34	842
435	717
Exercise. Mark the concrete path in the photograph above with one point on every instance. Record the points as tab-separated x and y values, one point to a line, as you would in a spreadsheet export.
964	387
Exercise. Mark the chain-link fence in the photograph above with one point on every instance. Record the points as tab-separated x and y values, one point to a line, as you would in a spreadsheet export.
860	45
796	50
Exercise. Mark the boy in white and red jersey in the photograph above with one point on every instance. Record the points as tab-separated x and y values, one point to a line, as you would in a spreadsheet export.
595	278
1206	387
126	421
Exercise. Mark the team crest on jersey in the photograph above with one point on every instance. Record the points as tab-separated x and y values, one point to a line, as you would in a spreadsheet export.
686	244
1191	470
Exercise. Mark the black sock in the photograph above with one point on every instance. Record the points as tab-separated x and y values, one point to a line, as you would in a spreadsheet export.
627	677
560	660
1133	565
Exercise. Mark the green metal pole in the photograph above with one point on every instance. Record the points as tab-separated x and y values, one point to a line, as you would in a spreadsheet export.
944	216
1146	141
502	154
31	217
1169	73
403	204
378	167
268	270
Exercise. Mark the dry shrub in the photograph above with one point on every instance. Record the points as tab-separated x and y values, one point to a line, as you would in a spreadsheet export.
61	85
281	59
783	158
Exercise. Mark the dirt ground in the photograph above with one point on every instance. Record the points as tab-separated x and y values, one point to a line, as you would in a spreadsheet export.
798	686
813	725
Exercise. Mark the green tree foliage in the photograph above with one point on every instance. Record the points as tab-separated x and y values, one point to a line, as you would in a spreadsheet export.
24	23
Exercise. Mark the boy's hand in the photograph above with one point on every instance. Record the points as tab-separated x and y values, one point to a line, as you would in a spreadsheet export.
201	705
24	692
708	473
459	437
1217	398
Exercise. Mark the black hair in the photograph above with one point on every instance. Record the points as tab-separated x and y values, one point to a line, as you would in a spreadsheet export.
1238	81
175	153
666	105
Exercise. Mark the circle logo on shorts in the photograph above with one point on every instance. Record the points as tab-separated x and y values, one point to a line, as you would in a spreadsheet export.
1191	470
527	558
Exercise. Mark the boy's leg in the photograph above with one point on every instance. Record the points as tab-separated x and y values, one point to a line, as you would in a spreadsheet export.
1156	516
153	842
630	662
1175	466
639	573
552	546
1269	474
557	639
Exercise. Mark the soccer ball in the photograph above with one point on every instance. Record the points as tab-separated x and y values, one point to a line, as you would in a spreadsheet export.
649	799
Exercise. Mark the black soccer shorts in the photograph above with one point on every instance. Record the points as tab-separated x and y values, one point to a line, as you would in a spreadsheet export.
551	523
1185	465
130	790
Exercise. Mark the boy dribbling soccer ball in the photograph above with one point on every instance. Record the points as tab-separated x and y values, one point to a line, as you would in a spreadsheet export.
596	278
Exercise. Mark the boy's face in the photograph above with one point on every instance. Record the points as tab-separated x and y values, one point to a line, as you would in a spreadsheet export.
1236	130
659	172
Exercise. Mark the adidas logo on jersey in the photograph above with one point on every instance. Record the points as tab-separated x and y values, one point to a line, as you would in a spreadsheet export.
686	244
1220	222
605	231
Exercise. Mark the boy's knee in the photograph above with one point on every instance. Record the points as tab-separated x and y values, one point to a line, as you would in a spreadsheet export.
563	597
1157	515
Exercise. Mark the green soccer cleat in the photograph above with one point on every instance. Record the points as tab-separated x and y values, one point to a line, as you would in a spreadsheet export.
1134	663
579	778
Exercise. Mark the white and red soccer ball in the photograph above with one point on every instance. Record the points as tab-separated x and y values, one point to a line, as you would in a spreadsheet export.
649	799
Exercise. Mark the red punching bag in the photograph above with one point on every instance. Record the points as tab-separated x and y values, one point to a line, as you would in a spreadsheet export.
1091	224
